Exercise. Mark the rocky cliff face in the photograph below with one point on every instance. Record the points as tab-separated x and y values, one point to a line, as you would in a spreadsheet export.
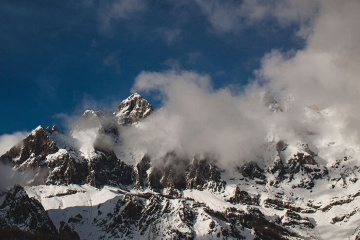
18	211
291	193
133	109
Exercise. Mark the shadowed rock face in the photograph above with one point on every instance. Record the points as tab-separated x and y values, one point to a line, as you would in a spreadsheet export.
107	169
66	232
174	172
37	145
41	154
66	170
27	214
155	215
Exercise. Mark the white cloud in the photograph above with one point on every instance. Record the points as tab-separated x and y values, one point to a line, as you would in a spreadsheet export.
229	16
195	118
318	87
119	10
323	75
10	177
7	141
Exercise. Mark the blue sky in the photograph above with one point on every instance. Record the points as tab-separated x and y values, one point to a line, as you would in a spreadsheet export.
60	57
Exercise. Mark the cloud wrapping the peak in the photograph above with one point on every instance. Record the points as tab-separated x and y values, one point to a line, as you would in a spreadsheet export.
195	118
317	87
7	141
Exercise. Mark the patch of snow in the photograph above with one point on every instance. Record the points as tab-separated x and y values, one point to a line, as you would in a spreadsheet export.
208	198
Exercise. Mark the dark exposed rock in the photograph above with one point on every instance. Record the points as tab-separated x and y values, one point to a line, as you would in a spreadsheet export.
134	214
281	146
140	172
76	219
27	214
202	174
278	171
15	233
253	219
174	172
37	145
66	166
123	222
281	205
169	172
244	197
106	168
157	208
66	232
66	170
305	165
336	202
294	219
301	165
252	170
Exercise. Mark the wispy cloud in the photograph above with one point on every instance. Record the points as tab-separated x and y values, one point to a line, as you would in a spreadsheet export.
7	141
113	60
117	10
325	73
172	35
232	16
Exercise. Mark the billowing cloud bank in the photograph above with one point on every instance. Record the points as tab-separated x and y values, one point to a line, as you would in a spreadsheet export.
317	87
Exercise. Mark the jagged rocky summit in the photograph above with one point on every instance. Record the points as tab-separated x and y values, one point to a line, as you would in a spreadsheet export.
83	188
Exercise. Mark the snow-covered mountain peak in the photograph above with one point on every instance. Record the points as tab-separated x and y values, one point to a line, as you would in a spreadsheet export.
37	129
132	109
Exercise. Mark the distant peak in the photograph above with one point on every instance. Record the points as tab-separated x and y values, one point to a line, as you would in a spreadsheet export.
37	129
133	108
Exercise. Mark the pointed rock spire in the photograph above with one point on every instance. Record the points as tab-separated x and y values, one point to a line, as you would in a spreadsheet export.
132	109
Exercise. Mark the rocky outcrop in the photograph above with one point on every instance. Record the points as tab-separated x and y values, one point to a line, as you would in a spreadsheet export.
132	109
252	171
204	174
301	166
32	151
18	211
107	169
244	198
294	219
65	170
174	172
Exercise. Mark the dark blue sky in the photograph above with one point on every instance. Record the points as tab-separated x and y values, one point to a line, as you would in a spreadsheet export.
57	56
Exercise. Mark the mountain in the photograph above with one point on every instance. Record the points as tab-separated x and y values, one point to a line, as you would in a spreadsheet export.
83	186
133	109
22	217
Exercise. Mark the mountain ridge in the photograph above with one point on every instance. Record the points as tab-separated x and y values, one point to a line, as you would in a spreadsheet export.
183	197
